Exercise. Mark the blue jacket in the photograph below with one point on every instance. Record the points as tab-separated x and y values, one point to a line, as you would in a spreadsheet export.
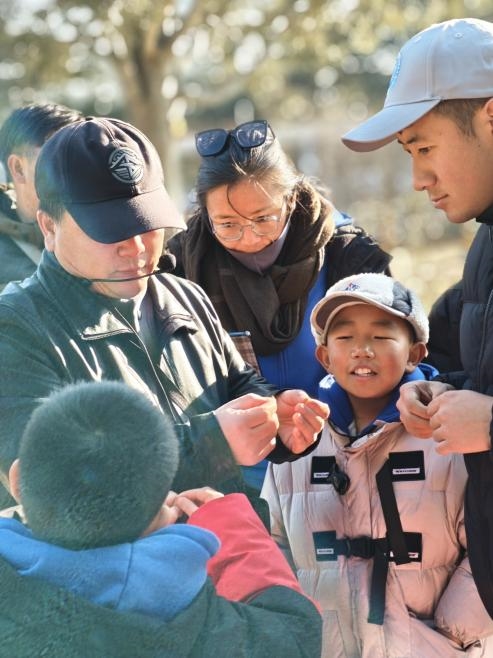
350	251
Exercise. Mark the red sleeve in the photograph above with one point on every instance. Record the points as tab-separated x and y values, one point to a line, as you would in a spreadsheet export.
249	560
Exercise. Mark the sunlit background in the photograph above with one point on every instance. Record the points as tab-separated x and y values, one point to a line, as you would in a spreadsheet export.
312	68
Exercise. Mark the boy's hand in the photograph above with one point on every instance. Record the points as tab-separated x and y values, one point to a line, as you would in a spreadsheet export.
189	501
301	419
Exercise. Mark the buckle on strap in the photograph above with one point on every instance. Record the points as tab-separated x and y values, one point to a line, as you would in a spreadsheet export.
328	548
363	547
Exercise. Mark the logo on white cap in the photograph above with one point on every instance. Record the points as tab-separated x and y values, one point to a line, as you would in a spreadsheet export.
395	72
126	165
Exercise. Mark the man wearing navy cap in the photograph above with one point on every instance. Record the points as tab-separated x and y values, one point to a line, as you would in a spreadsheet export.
101	307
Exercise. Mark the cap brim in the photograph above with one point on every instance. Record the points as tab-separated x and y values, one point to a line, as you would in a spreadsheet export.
326	309
120	219
382	128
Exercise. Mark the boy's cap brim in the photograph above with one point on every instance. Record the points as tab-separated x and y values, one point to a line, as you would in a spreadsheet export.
374	289
382	128
330	308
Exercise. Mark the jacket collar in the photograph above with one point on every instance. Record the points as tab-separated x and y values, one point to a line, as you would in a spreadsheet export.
341	413
93	315
486	217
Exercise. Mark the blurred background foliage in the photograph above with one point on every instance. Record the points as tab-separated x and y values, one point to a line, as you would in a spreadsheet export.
313	68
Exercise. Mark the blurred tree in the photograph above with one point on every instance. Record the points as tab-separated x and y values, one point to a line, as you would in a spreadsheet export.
165	65
312	67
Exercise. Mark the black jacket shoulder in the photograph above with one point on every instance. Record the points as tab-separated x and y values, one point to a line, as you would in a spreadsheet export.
352	250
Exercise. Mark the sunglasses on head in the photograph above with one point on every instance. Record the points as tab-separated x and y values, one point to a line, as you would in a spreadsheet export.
247	135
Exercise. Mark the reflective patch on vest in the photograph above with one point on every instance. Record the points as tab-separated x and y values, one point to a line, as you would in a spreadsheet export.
414	545
407	466
321	469
325	546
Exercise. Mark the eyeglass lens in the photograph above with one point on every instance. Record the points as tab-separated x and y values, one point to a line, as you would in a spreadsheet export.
234	230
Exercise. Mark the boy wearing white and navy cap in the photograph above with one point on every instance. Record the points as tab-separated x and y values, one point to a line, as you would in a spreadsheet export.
439	106
373	518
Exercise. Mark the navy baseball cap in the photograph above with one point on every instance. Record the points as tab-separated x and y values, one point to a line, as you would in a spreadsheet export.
109	177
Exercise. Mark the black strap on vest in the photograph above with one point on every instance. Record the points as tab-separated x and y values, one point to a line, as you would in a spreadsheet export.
328	548
396	544
395	535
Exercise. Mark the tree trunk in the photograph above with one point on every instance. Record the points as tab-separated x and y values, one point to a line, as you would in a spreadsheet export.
147	109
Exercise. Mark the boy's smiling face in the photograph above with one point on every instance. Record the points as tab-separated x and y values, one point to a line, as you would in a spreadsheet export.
368	350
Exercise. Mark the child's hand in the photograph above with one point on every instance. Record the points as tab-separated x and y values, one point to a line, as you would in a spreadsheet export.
301	419
189	501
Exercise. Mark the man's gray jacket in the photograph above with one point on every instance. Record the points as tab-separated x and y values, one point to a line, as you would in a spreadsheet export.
54	330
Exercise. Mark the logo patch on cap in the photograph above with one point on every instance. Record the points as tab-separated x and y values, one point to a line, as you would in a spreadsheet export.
395	73
126	165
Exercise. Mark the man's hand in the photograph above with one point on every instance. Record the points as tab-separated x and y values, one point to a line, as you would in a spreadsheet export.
189	501
250	425
413	405
460	421
301	419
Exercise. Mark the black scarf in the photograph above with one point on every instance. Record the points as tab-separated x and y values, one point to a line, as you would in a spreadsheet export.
271	305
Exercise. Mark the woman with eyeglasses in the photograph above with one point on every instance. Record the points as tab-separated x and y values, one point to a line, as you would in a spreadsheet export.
265	244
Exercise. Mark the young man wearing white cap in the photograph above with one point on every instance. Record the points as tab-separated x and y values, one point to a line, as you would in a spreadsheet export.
439	106
100	307
373	518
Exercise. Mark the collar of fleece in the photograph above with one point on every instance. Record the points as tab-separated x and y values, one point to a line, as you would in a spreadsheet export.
158	575
341	413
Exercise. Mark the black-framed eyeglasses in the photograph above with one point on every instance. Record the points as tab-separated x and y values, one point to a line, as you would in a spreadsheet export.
262	226
247	135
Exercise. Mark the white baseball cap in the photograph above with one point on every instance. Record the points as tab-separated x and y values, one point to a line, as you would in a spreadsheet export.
378	290
449	60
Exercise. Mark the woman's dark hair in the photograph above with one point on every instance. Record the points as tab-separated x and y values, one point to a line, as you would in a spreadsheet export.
268	164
